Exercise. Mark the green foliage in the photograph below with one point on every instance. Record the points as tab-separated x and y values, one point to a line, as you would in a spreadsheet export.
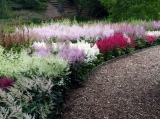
41	81
30	96
140	43
7	5
96	9
91	7
36	20
28	4
4	9
15	64
78	74
120	10
81	18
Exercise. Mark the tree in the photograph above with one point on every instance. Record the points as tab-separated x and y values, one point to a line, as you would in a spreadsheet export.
132	9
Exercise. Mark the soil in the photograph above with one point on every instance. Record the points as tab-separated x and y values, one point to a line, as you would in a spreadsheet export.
125	88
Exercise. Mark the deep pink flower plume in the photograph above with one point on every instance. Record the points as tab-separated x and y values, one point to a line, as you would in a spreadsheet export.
5	83
115	41
150	39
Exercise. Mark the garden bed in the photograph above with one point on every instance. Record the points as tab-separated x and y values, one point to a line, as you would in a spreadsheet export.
55	58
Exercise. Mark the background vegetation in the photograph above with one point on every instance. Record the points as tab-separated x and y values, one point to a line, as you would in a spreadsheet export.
7	5
120	10
113	10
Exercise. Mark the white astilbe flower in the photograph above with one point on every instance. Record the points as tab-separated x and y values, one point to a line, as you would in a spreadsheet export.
4	113
126	36
90	52
40	44
27	116
13	98
15	109
153	33
14	112
42	85
16	92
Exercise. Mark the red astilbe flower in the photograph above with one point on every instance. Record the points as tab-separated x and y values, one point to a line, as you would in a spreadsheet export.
5	83
150	39
131	42
115	41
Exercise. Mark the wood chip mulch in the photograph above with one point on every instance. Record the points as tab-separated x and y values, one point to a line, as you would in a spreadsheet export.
126	88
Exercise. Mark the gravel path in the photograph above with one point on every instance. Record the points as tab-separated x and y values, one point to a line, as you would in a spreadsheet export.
126	88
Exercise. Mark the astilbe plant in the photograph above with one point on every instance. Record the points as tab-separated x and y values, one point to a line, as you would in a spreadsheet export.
91	51
72	54
15	64
153	33
29	98
41	49
156	24
9	40
5	83
113	42
66	32
64	50
129	29
150	39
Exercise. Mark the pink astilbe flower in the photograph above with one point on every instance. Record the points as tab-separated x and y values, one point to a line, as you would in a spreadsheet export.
5	83
72	55
41	49
65	32
115	41
156	24
128	29
150	39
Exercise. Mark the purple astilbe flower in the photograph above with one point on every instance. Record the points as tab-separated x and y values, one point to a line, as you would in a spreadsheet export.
156	24
43	53
5	83
41	49
146	24
139	31
72	55
128	29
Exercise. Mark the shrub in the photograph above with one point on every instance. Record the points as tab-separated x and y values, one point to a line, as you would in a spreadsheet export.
36	20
